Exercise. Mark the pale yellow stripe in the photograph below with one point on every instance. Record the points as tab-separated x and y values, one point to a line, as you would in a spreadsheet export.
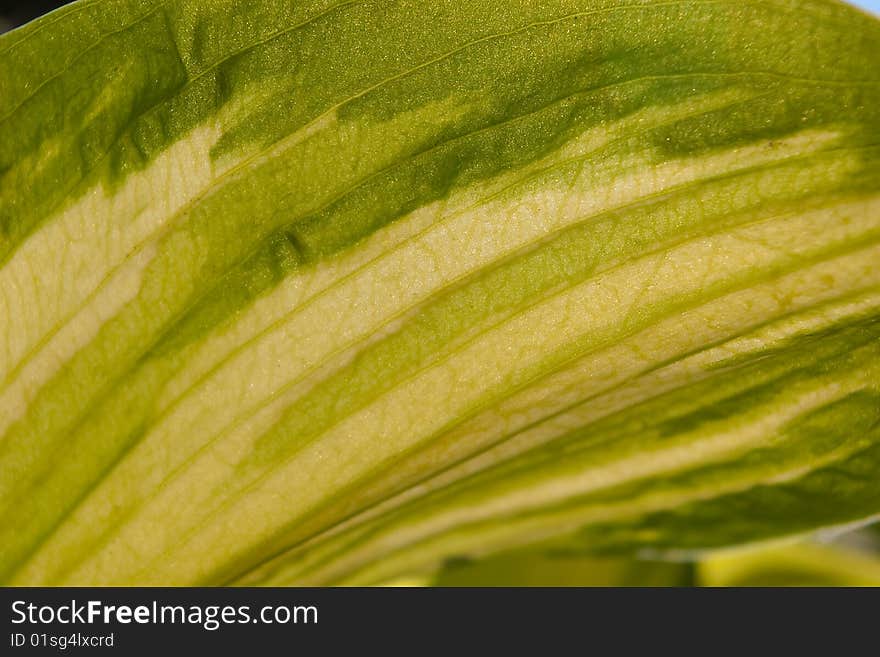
72	336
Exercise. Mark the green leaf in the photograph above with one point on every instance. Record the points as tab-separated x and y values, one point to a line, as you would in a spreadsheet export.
325	292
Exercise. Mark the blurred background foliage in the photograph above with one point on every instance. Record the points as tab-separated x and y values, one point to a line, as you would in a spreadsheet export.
17	12
852	559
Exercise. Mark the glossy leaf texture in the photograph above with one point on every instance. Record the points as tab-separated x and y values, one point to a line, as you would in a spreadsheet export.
326	292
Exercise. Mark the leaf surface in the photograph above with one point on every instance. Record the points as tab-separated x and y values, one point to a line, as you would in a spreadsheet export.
327	291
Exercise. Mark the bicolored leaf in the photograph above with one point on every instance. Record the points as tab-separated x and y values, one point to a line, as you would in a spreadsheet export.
322	291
